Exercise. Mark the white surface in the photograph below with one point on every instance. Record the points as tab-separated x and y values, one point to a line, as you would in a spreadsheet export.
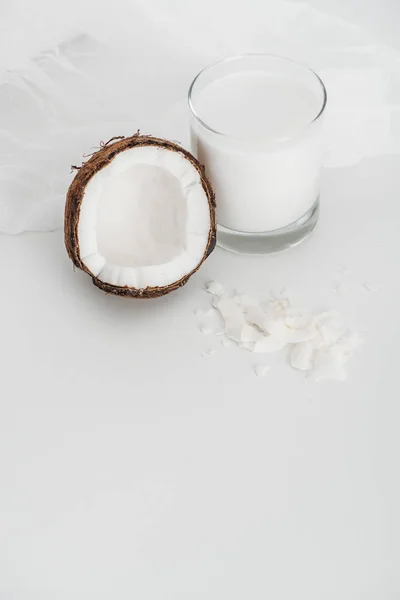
133	467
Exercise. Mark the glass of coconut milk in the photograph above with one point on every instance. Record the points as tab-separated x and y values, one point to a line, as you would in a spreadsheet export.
256	125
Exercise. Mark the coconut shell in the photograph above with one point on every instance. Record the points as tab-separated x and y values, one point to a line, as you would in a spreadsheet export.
101	159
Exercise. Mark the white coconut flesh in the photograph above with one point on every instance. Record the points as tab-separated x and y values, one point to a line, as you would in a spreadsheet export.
144	219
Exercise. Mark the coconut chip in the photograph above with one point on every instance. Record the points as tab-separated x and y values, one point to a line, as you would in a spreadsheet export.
208	353
228	343
261	370
214	288
301	356
318	344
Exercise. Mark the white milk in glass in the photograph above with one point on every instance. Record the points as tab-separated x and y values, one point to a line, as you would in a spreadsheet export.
257	135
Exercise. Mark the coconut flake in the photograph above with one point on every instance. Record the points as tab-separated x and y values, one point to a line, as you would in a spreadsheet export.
250	333
256	316
206	329
327	365
261	370
345	271
233	317
318	344
208	353
347	345
371	287
301	356
269	343
329	328
245	301
211	322
228	343
247	346
214	288
201	312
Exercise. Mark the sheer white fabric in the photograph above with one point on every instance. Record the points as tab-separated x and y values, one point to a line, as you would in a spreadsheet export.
74	74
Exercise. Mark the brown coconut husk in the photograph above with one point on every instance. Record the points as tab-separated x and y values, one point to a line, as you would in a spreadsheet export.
101	159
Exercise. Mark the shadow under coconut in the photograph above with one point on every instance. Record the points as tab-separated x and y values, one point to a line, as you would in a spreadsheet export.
119	308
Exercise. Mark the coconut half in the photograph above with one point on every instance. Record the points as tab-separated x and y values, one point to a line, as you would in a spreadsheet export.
140	217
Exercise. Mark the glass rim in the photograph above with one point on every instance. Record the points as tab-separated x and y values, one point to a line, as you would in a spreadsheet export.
249	55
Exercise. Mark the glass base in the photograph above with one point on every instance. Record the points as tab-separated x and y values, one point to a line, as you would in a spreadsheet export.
269	241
